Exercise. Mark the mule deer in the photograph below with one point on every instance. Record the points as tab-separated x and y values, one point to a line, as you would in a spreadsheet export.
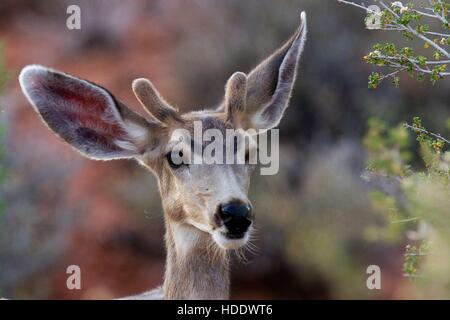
207	212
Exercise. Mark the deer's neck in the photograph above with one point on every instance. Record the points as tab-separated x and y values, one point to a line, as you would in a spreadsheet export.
195	268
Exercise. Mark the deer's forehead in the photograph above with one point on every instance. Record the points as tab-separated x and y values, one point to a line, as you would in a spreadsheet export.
196	125
206	121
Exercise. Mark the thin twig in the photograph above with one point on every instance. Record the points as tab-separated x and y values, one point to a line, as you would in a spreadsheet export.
437	34
417	276
392	74
436	135
391	62
356	5
426	14
404	220
430	42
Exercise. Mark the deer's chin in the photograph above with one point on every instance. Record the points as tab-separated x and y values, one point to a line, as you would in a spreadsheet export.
227	243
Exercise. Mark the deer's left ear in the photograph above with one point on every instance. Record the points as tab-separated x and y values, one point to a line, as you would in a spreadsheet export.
87	116
269	85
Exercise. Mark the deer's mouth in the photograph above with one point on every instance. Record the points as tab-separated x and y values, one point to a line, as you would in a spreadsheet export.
230	241
234	235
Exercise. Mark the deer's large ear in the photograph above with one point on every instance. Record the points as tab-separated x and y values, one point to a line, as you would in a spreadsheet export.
86	115
269	85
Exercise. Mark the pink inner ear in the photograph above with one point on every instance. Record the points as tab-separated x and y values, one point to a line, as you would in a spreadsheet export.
88	108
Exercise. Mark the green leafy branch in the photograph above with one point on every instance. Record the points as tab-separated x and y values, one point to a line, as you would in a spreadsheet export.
434	140
413	23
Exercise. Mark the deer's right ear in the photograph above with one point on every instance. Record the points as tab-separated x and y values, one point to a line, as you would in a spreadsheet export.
86	115
269	86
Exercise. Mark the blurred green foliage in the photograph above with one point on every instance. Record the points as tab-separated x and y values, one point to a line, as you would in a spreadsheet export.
423	204
388	148
413	258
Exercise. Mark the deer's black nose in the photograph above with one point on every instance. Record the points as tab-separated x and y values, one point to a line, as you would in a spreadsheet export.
236	217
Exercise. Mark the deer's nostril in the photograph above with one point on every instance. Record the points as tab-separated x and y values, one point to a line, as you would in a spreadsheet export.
236	217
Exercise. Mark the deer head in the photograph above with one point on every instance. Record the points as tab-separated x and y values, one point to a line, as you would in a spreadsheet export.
206	199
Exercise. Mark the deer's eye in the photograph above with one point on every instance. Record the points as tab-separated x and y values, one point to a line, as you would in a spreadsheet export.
175	160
